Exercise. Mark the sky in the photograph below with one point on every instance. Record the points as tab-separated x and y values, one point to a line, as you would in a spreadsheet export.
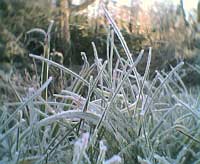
188	4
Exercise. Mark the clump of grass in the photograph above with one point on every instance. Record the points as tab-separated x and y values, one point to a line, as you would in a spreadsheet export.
108	114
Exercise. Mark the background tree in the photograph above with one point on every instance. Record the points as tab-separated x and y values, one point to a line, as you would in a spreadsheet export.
134	14
16	18
183	13
67	8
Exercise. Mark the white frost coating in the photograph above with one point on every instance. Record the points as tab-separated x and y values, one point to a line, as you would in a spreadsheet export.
80	148
85	139
70	114
82	142
80	101
31	91
102	146
114	160
102	153
50	78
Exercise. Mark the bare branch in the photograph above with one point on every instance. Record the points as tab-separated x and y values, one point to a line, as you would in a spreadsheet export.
81	6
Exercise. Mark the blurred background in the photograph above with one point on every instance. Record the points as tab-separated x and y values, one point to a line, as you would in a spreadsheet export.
170	27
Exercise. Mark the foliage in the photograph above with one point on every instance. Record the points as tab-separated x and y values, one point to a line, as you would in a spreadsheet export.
108	113
16	18
167	36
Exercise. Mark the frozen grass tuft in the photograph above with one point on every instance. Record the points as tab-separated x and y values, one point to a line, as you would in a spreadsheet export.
109	113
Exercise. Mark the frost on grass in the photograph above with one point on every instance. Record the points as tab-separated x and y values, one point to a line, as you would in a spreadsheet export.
140	120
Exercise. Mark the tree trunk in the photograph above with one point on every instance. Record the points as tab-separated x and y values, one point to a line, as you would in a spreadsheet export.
66	8
198	12
183	13
64	20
